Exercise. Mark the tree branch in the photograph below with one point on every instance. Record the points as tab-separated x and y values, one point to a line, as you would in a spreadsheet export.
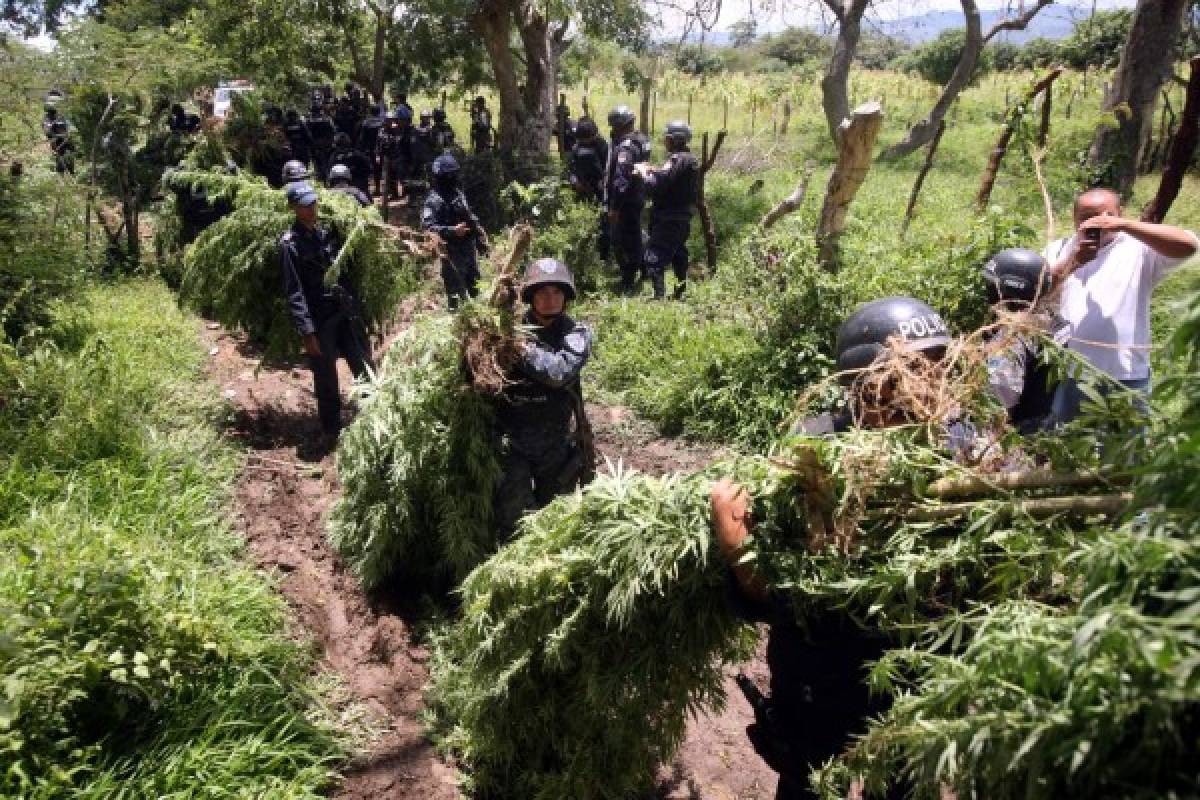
1016	23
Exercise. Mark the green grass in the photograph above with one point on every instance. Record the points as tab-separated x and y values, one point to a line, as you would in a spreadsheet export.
139	656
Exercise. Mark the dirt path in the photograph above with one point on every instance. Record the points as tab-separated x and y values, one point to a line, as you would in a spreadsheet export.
281	500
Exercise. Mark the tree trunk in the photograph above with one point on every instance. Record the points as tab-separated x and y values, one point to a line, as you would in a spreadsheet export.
922	132
856	144
1146	62
541	82
1183	147
835	96
493	22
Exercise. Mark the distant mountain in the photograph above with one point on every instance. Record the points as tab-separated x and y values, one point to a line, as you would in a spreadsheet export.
1054	22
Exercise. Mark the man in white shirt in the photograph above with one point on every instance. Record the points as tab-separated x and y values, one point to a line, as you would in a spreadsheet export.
1107	271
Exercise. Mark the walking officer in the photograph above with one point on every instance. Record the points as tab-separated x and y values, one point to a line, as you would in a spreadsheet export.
539	455
398	153
443	134
1017	280
298	137
323	132
447	215
368	141
340	181
345	154
674	189
624	195
481	125
326	317
819	693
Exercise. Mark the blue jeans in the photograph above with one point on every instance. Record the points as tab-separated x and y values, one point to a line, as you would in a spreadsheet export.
1068	397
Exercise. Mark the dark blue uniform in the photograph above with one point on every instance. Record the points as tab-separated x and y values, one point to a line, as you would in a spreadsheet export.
398	152
624	194
329	313
359	166
460	266
674	190
368	140
322	131
534	416
299	140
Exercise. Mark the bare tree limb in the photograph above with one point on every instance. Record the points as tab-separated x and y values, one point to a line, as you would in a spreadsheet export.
793	201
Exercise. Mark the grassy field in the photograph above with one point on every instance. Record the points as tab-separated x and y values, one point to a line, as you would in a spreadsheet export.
727	364
142	657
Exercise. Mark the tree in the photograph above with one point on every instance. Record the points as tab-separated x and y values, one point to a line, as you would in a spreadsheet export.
964	71
1038	53
796	46
835	93
696	59
1146	62
936	60
878	50
743	32
1096	41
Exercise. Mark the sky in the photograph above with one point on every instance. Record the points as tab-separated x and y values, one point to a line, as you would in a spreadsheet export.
808	12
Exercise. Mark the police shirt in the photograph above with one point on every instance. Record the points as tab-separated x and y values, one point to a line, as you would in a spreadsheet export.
586	164
621	184
304	257
675	186
539	403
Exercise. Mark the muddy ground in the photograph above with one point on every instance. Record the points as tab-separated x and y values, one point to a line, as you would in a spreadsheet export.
282	497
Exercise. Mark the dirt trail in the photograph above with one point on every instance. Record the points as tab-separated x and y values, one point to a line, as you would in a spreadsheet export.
282	498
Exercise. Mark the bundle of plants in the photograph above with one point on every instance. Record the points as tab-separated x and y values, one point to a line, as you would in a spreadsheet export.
585	644
419	464
232	270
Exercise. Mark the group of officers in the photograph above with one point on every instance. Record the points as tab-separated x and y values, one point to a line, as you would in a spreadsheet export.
386	152
819	696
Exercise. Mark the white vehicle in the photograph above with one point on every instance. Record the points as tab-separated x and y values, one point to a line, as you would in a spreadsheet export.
223	96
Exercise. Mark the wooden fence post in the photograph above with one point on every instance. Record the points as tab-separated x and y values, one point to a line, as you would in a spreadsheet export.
856	145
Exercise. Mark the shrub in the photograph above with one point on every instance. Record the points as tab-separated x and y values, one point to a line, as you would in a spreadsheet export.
936	60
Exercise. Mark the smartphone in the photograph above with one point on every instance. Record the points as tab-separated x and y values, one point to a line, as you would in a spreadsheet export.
1093	234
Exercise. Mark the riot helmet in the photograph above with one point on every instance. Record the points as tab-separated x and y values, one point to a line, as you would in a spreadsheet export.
340	174
865	334
403	114
677	134
1017	277
621	117
586	129
445	172
547	272
425	117
295	170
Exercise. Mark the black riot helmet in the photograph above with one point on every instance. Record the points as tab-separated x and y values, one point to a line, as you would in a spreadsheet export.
444	164
1017	277
586	128
547	272
864	336
425	117
339	175
621	117
439	115
677	134
295	171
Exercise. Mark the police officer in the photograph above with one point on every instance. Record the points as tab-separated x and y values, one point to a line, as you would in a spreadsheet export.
481	125
368	141
674	189
423	147
323	132
447	215
624	194
294	171
49	117
401	103
443	134
340	181
298	138
325	317
586	162
535	412
62	147
346	117
397	152
1017	280
819	696
345	154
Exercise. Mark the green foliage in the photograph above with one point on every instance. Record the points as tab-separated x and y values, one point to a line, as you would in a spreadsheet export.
796	46
136	650
936	60
696	59
40	259
1036	54
566	228
603	623
232	269
878	50
1097	40
418	467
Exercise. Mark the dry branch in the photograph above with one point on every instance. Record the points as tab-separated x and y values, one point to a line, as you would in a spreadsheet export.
1011	122
793	201
1179	157
976	486
1107	504
707	159
920	181
856	144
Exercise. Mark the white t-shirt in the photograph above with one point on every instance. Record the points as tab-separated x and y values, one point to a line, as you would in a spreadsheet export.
1107	301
